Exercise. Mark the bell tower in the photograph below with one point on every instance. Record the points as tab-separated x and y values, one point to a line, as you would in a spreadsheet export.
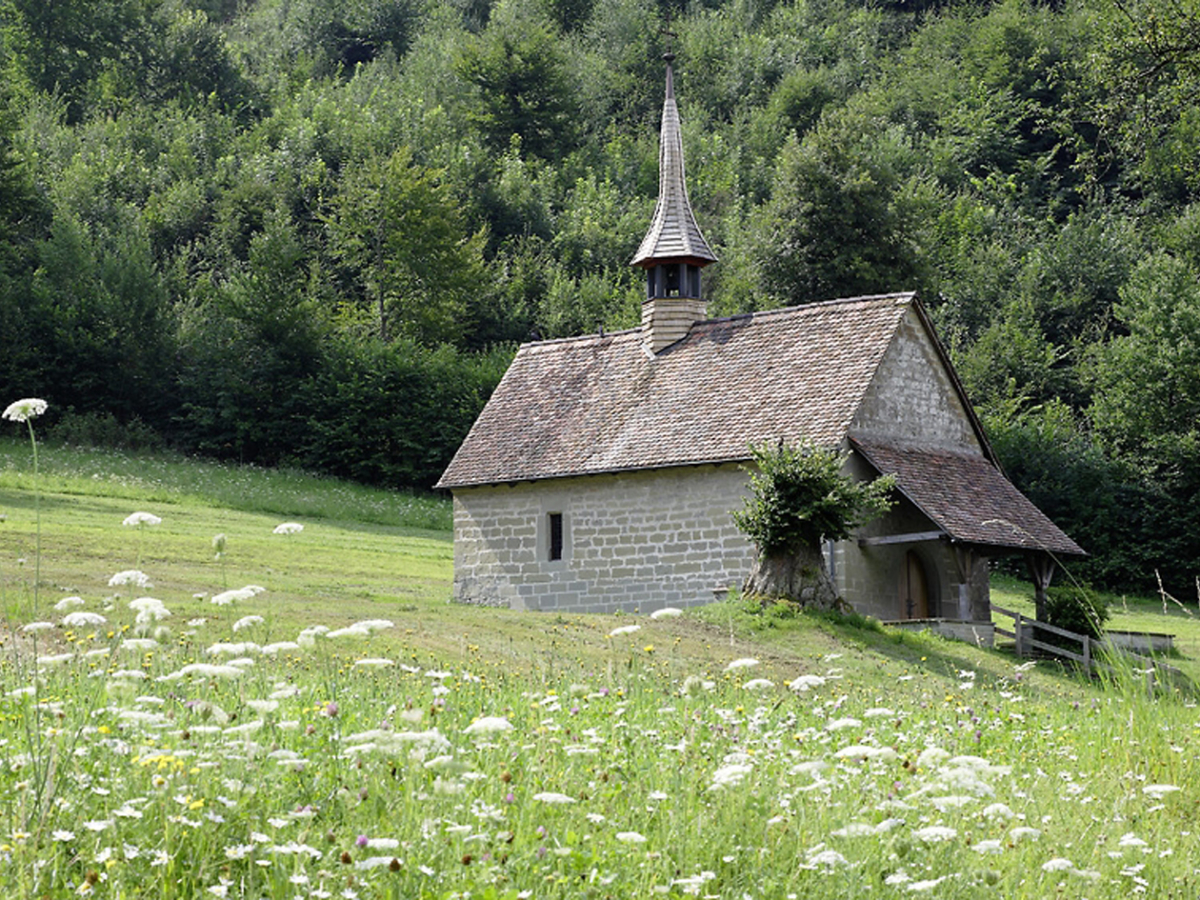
673	251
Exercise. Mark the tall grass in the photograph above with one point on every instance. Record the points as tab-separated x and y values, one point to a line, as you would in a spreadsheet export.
156	755
150	476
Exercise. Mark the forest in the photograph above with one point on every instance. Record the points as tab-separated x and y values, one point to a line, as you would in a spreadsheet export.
312	232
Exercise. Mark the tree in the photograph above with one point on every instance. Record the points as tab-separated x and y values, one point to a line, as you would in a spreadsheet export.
395	225
799	499
843	213
63	46
1147	382
522	79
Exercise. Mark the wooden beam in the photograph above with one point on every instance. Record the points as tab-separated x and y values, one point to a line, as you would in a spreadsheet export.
911	538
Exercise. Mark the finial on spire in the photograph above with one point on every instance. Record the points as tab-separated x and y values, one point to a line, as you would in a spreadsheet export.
670	35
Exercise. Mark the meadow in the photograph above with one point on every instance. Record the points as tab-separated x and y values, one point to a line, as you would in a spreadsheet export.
297	711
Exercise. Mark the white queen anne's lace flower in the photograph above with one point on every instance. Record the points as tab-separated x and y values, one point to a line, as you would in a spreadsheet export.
488	725
142	518
24	410
743	663
553	797
227	598
248	622
82	619
130	576
624	629
288	528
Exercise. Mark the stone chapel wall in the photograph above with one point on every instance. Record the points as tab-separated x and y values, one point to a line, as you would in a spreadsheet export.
635	541
911	399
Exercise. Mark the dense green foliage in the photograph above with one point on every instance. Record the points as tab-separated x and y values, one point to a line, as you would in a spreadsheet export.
311	232
800	497
1075	609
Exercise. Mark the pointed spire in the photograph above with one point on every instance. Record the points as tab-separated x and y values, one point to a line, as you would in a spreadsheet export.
673	235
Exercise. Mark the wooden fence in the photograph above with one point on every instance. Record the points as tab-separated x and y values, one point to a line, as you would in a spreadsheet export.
1024	635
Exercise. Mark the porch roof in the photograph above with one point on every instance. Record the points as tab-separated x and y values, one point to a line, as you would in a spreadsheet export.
968	497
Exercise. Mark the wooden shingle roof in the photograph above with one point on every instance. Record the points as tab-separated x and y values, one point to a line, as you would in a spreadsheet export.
599	404
673	233
967	497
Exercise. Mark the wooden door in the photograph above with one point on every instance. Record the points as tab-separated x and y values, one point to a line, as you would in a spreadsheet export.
914	588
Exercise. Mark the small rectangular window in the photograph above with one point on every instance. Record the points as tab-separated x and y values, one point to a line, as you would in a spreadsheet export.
556	536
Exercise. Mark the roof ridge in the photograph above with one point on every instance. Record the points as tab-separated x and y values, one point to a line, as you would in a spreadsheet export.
782	310
581	338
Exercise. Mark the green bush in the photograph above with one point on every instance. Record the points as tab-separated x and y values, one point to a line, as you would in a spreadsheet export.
1076	609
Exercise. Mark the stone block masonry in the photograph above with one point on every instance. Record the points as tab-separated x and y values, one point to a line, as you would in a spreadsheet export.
636	541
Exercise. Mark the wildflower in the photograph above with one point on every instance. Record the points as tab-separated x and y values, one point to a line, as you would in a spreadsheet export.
630	837
38	626
82	619
308	637
927	885
730	776
845	722
998	811
288	528
667	612
1058	864
247	622
237	648
624	629
488	725
1156	791
149	609
759	684
935	833
864	751
142	518
67	602
227	598
130	576
24	410
805	682
375	862
828	858
61	835
553	797
203	670
374	663
744	663
139	644
378	843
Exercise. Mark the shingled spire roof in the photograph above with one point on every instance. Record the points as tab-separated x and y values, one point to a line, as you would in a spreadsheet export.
673	234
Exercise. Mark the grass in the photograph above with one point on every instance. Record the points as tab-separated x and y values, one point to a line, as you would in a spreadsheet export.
446	751
171	478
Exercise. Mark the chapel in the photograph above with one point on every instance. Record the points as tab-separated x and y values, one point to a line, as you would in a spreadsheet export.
603	472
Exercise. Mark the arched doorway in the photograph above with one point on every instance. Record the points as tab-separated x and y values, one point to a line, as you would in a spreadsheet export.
914	588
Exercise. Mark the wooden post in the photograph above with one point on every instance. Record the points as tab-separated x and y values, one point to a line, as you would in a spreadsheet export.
1087	656
1017	632
1041	569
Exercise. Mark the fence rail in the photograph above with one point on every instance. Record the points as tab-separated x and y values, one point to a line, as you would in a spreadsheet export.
1024	634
